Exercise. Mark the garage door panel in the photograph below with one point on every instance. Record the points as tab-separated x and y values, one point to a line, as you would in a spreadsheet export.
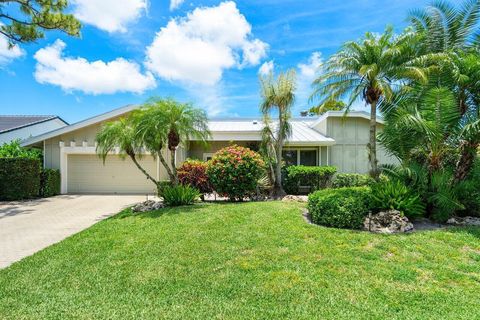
88	174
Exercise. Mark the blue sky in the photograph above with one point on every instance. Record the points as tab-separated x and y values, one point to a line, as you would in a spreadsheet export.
205	52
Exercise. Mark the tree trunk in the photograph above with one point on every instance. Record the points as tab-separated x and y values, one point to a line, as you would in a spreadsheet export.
372	144
165	165
149	177
465	164
278	192
174	167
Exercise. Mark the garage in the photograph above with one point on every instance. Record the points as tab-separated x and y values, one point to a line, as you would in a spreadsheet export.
88	174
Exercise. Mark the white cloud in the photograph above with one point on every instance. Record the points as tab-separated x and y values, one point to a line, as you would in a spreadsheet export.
97	77
307	73
174	4
199	47
266	68
109	15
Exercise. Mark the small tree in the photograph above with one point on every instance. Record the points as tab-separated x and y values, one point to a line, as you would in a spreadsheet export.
165	122
278	96
26	20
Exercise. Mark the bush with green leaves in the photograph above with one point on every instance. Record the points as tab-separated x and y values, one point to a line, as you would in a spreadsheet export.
340	208
234	172
19	178
14	150
194	173
305	179
342	180
469	193
180	195
50	182
395	195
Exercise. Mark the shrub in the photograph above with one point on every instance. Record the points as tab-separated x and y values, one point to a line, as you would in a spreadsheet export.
342	180
234	172
313	178
14	150
395	195
469	193
340	208
49	182
161	185
19	178
179	195
194	173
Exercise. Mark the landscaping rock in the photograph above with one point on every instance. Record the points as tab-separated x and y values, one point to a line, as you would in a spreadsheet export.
464	221
391	221
291	198
148	205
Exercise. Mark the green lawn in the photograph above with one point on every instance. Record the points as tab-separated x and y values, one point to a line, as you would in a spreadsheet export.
245	261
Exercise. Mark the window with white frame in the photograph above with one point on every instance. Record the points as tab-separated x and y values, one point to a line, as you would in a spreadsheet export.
207	156
304	157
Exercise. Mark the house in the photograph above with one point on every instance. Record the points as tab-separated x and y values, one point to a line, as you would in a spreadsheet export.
332	139
14	127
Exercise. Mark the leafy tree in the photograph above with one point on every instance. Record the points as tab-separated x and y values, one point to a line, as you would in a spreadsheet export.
330	105
15	150
24	21
370	69
278	96
121	134
167	123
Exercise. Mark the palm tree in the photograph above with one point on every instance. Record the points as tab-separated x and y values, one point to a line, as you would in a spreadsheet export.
444	27
165	122
371	69
278	96
121	134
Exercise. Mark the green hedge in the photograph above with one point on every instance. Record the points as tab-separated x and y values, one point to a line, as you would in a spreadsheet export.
340	208
19	178
50	182
305	179
342	180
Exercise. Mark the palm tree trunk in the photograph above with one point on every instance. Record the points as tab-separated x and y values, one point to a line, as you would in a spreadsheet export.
372	144
174	167
466	161
149	177
165	165
278	192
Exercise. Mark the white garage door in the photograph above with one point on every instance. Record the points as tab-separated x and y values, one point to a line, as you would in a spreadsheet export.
88	174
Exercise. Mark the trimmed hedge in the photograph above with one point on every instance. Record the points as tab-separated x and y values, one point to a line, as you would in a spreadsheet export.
340	208
49	182
19	178
342	180
312	178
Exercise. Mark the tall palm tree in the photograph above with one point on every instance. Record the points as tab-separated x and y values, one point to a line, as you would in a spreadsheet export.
278	97
370	69
166	122
121	134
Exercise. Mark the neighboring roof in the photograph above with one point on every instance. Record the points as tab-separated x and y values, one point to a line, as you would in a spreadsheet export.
353	114
15	122
81	124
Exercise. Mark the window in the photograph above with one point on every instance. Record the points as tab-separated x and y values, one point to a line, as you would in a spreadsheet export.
207	156
308	157
305	157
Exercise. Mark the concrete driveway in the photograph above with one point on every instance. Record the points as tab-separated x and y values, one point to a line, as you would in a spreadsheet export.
29	226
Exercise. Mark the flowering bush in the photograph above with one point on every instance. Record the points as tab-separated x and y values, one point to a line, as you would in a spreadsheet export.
194	173
234	172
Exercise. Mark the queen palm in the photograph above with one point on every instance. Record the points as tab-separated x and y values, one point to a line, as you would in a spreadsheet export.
278	96
165	122
370	69
121	134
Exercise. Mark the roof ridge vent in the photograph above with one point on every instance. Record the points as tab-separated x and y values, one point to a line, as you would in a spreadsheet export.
255	121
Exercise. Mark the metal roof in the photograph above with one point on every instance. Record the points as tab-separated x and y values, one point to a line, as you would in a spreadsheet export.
14	122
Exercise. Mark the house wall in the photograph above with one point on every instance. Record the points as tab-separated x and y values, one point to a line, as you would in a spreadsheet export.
350	153
196	150
31	131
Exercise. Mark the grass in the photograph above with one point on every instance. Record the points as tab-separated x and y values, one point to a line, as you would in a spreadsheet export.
244	261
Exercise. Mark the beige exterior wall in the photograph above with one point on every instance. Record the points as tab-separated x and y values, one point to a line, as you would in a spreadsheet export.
351	135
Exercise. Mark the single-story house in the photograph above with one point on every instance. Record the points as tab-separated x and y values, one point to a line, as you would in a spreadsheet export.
331	139
14	127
